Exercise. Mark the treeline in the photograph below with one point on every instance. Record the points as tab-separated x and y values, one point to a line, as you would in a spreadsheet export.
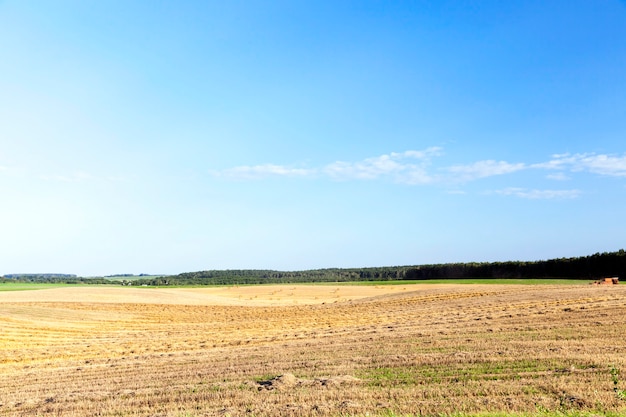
253	276
54	279
67	279
596	266
126	275
599	265
39	276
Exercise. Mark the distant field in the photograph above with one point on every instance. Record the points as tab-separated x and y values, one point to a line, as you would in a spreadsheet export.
245	295
500	281
317	350
129	278
18	286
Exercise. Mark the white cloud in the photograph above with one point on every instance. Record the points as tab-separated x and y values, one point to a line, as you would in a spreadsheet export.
425	154
416	176
264	171
602	164
483	169
368	169
558	161
558	176
407	167
415	168
540	194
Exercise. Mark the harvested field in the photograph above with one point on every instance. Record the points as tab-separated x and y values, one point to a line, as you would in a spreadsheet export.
311	350
250	295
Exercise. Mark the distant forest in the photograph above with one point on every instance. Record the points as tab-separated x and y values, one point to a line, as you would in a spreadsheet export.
599	265
40	276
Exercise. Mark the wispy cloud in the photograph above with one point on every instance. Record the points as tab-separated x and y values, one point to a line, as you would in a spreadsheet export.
417	168
407	167
558	176
539	194
601	164
264	171
483	169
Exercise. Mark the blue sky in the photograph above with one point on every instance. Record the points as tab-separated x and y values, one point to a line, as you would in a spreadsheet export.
165	137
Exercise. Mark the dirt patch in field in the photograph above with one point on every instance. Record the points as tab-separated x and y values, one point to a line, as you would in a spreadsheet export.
289	381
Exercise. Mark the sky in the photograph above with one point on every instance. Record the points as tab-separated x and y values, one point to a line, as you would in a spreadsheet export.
164	137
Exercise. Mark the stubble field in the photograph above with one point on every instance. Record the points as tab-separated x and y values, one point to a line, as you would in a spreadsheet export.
313	350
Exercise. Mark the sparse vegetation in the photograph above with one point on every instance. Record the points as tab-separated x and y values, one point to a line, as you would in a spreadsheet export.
620	393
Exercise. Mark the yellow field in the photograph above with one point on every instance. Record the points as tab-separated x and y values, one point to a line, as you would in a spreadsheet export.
311	350
251	295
